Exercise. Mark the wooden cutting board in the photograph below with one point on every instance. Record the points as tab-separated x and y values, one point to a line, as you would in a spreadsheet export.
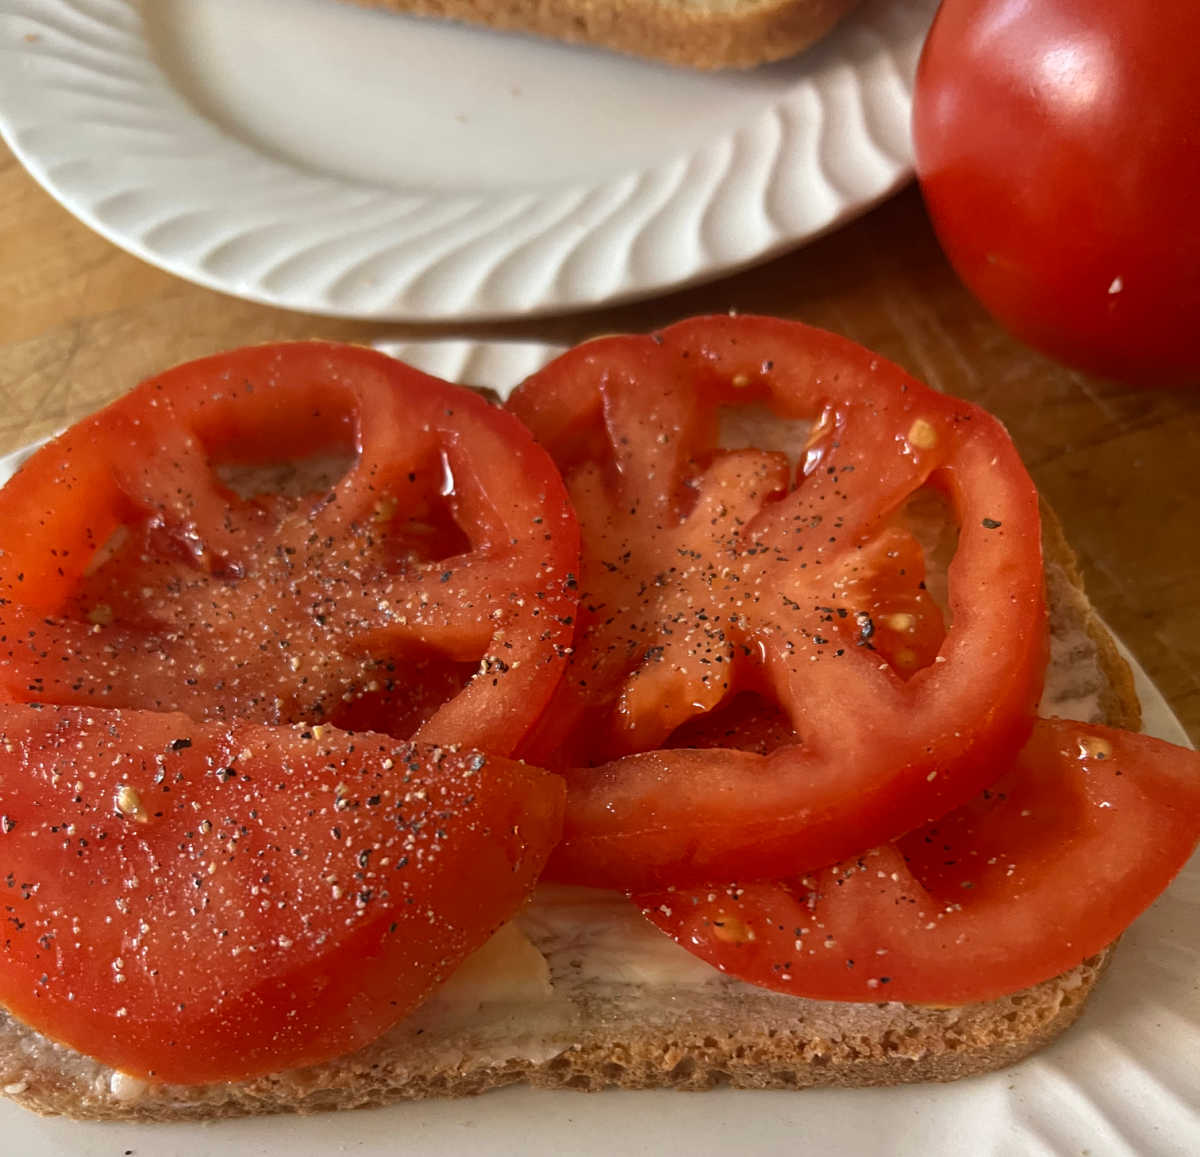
81	321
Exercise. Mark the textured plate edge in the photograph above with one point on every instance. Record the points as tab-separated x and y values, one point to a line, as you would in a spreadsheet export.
652	285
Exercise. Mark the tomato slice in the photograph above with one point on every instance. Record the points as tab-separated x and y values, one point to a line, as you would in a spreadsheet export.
715	577
1040	871
415	576
191	902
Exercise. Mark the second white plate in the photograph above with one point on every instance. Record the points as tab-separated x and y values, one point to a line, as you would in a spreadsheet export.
310	154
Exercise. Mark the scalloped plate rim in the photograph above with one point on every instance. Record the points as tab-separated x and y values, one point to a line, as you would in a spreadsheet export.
412	303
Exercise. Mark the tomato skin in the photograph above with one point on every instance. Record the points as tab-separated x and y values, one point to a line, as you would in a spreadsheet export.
710	572
447	545
192	903
1047	867
1058	150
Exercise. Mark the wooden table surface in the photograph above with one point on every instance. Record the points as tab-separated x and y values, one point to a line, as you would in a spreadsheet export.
81	321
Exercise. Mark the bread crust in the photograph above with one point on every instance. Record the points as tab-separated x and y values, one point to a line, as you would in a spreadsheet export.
740	34
743	1037
771	1041
1119	705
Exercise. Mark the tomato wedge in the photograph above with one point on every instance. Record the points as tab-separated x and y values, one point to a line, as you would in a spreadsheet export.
1040	871
725	583
190	902
413	575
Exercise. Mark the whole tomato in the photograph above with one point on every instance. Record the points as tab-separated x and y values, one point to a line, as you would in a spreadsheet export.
1058	150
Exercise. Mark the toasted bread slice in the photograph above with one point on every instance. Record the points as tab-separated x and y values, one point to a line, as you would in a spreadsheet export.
702	34
583	994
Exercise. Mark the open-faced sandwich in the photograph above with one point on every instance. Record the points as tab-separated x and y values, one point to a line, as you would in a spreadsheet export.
721	709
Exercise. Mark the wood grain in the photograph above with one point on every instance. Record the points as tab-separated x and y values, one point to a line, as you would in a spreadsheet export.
81	321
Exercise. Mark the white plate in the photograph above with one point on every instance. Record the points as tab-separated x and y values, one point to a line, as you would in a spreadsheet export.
310	154
1124	1082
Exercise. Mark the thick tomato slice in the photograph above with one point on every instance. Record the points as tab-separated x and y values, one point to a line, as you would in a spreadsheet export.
1040	871
293	533
741	584
193	902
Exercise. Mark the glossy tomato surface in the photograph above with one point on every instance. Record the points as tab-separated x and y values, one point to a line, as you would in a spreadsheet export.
1058	149
268	626
761	677
189	902
1044	868
305	532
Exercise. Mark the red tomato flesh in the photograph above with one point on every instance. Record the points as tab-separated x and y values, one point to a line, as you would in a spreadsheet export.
189	902
713	574
1042	870
421	584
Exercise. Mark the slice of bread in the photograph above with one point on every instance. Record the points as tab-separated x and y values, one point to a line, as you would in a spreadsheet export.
584	994
702	34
